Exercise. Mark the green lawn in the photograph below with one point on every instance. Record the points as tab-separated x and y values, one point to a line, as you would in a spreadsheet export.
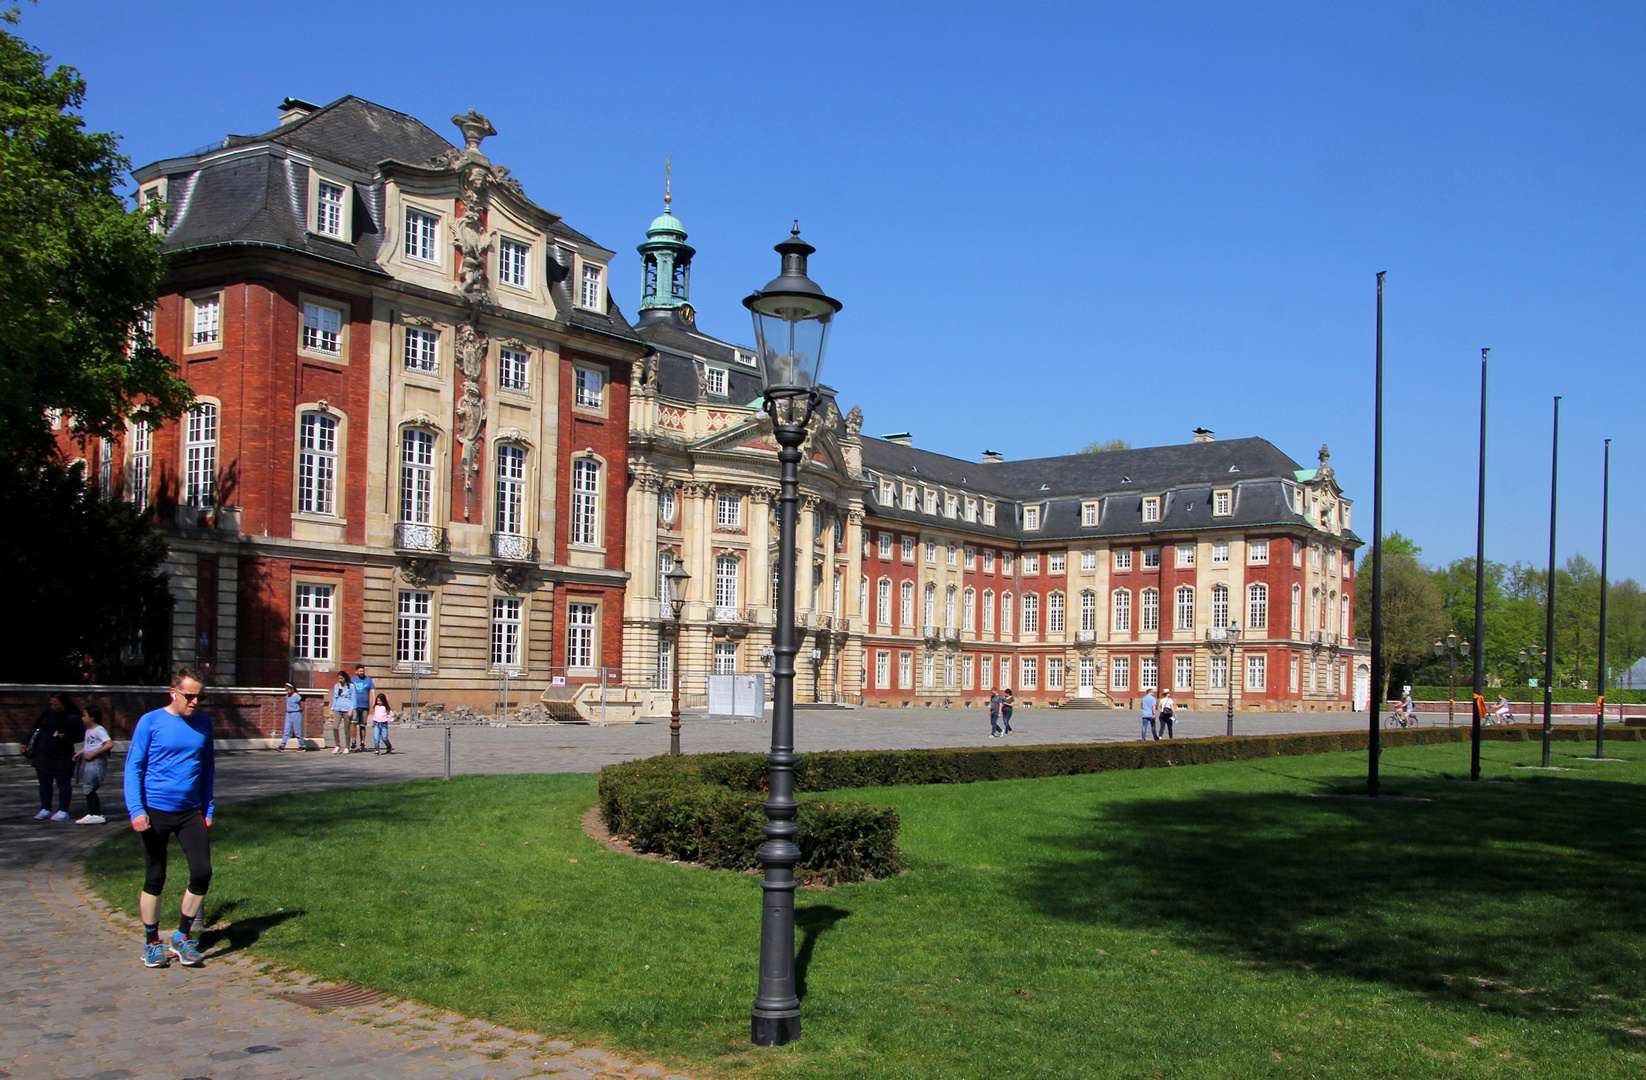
1186	922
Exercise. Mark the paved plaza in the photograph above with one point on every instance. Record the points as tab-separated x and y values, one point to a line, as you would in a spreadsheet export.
79	1004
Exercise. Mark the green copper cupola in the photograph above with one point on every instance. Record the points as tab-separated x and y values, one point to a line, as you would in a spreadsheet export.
666	266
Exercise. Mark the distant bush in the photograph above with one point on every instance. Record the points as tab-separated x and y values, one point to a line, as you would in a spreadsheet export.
1563	695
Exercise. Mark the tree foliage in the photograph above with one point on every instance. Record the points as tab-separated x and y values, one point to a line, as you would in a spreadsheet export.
1414	613
78	268
1099	446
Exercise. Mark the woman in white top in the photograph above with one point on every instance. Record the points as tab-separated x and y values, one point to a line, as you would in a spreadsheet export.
1164	716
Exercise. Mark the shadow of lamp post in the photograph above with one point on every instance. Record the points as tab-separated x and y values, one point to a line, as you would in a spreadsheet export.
792	317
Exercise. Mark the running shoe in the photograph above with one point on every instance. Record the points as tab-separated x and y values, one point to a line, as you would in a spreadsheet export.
42	815
154	955
92	819
61	815
187	950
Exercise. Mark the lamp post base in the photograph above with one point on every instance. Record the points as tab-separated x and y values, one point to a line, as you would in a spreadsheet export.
774	1029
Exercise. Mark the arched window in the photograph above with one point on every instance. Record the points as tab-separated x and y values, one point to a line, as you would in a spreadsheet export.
863	597
1031	613
1220	606
1006	613
1088	614
665	506
948	607
1123	610
883	602
1151	609
906	604
988	612
416	477
316	464
928	610
725	581
968	609
511	490
1185	607
585	525
1054	613
200	456
1257	607
1297	608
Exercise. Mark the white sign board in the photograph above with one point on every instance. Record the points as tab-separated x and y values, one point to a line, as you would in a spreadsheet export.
742	697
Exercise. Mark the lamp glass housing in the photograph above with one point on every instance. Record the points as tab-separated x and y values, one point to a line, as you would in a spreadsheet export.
677	578
791	333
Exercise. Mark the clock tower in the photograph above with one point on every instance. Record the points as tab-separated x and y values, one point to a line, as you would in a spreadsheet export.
666	268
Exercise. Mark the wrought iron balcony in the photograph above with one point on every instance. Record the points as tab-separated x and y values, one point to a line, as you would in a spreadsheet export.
513	547
411	536
931	632
951	633
1085	637
733	614
825	621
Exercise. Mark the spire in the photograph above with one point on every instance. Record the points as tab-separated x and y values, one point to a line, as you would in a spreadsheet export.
666	263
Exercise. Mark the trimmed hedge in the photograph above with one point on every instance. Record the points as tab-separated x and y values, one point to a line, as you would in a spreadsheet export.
1563	695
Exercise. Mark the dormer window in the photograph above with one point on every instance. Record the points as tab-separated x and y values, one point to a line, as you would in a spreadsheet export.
1151	509
951	506
988	513
911	497
931	501
1222	503
886	495
1089	512
422	231
328	209
971	510
513	262
591	287
714	381
1031	518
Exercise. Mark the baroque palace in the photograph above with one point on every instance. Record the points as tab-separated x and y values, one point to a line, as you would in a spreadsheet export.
426	439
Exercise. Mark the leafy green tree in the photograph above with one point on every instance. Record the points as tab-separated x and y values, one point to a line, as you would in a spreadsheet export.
78	268
1414	613
1099	446
1625	627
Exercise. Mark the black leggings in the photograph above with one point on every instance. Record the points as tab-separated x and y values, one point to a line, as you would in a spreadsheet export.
190	829
65	788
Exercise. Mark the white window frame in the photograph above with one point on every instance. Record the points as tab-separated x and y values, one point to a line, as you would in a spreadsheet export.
1054	672
931	502
885	547
728	511
1088	611
1122	558
1257	552
1184	555
905	670
988	611
589	388
928	672
201	425
988	513
417	472
1029	613
1029	670
1257	671
1054	613
420	350
1031	566
317	463
1090	513
1217	673
905	604
1151	508
988	562
1222	502
1257	606
1220	553
714	380
725	658
1056	563
882	668
206	321
883	602
422	240
323	326
1183	673
1031	519
1120	673
513	370
1151	558
591	285
951	506
931	553
1184	604
507	625
1120	606
1148	604
1148	673
514	262
331	213
140	463
968	672
511	489
728	572
1220	607
666	506
311	620
908	549
413	626
582	623
584	530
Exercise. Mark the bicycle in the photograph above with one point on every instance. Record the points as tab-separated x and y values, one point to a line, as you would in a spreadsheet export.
1398	719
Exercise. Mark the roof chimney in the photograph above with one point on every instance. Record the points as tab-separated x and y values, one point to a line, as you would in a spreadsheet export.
295	109
993	457
1204	435
901	438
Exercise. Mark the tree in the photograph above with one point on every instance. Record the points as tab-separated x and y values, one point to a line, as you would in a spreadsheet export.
1101	446
78	269
1414	614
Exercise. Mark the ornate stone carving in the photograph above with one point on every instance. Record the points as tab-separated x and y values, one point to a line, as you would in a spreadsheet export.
471	422
854	422
697	489
419	573
419	320
513	435
648	482
855	516
702	382
423	419
512	578
1325	472
514	343
763	495
811	502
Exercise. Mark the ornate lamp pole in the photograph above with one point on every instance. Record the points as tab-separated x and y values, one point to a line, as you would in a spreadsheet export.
1452	650
677	578
1218	639
1530	658
791	329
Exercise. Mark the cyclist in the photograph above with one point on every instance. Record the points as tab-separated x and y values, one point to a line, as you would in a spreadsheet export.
1505	715
1406	714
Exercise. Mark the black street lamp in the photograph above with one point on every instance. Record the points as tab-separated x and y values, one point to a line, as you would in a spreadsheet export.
677	578
1217	639
791	329
1530	657
1452	650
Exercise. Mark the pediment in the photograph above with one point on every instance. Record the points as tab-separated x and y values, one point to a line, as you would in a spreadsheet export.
754	435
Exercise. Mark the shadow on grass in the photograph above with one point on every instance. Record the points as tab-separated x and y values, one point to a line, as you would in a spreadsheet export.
812	922
240	933
1524	897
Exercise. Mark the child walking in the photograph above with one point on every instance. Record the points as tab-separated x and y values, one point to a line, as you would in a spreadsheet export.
381	718
92	763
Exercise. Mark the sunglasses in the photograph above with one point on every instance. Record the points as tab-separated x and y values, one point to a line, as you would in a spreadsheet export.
188	697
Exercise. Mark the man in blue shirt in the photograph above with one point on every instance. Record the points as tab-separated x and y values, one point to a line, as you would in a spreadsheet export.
1148	715
364	688
170	771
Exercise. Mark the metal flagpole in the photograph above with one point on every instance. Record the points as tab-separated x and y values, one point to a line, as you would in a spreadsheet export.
1480	586
1374	733
1600	681
1549	600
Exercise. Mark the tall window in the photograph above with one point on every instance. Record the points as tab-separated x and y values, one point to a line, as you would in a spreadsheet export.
1185	607
200	456
948	669
1120	672
1220	606
416	477
948	608
1148	673
1030	672
328	209
905	670
591	388
411	627
1219	672
665	506
725	658
968	609
886	546
1088	560
1054	613
928	610
421	233
512	368
316	464
883	602
585	528
1150	609
322	329
1221	501
1006	613
1088	611
580	635
1031	522
511	490
988	562
988	611
863	597
591	286
882	668
1297	609
665	563
728	512
986	672
725	581
511	263
311	623
1088	513
1257	671
1122	610
1220	553
1257	607
929	671
422	350
1031	613
506	631
1183	677
968	672
1151	509
665	662
208	319
140	463
905	611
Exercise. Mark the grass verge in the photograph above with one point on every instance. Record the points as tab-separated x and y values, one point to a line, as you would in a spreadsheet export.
1205	921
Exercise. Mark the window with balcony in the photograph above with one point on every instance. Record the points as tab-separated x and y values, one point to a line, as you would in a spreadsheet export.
416	477
513	366
511	490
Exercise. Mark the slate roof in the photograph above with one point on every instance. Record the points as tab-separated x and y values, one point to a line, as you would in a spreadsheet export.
677	371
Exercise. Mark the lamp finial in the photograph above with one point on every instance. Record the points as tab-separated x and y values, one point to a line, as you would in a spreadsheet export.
796	230
668	198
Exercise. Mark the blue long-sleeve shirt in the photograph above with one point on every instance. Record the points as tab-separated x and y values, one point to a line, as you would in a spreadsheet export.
342	697
171	764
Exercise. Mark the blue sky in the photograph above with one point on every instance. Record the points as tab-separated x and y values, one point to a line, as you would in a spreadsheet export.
1053	223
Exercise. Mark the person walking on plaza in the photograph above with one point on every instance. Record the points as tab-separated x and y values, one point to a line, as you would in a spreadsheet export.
93	764
294	719
50	748
1006	704
381	717
1163	720
364	688
342	711
995	701
170	771
1148	715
